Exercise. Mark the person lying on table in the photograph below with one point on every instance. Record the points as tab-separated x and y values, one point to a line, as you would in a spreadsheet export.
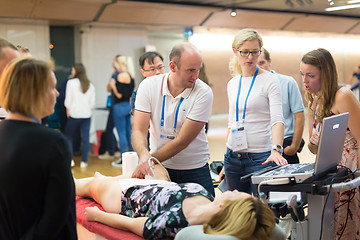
158	209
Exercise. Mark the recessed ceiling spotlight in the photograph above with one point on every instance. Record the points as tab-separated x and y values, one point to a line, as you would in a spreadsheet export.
289	3
300	2
233	12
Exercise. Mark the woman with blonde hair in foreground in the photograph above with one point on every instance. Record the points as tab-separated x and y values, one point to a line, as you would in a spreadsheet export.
37	192
159	209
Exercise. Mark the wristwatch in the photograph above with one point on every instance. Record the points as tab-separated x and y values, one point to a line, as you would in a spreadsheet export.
278	148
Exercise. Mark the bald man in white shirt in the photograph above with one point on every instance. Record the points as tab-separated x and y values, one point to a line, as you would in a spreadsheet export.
176	105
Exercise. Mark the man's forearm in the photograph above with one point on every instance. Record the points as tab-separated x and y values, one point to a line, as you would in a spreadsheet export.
139	143
187	134
298	129
169	150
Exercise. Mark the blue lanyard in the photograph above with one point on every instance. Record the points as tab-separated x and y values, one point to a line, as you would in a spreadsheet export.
176	114
314	118
238	94
33	118
30	116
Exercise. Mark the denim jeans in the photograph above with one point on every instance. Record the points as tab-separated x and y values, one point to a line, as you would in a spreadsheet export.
121	113
240	164
198	175
72	125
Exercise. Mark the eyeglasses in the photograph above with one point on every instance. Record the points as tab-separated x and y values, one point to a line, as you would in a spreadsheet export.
246	53
159	68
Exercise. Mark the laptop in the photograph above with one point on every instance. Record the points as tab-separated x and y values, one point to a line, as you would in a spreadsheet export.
331	144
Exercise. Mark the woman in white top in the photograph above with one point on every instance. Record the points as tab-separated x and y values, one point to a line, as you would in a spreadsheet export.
255	125
79	103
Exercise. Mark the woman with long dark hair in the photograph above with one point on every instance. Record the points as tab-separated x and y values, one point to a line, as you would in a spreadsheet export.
327	98
79	103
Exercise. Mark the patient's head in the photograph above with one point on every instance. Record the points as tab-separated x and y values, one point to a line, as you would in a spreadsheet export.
27	86
247	217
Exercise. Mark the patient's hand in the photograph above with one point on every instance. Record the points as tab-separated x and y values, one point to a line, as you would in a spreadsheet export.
92	213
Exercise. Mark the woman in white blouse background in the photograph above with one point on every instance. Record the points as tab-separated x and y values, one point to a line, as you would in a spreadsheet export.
255	124
79	103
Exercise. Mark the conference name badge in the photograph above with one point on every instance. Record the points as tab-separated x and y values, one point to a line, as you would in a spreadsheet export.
237	139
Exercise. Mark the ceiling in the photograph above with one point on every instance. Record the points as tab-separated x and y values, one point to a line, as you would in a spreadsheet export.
289	15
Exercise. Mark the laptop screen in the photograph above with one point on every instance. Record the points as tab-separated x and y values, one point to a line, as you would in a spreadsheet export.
331	144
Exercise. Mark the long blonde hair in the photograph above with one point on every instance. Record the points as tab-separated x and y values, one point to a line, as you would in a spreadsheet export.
322	59
245	218
246	34
128	63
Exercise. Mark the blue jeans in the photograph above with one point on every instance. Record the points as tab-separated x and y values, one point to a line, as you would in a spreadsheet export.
198	175
240	164
122	123
72	125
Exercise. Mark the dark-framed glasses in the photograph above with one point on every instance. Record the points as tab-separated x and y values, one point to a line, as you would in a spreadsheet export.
159	68
245	53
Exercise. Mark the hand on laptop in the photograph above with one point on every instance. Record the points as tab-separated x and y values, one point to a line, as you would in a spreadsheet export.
276	157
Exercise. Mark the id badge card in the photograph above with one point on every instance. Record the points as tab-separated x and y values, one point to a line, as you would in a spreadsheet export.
237	138
164	138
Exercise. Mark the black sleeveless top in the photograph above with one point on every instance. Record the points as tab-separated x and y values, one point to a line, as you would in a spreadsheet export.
126	89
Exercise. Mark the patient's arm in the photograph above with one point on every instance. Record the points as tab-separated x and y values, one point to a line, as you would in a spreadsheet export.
118	221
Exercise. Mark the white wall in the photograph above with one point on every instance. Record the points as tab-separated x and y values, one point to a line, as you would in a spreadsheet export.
95	46
99	44
163	43
33	34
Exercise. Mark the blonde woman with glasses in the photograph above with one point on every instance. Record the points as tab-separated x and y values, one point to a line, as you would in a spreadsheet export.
255	124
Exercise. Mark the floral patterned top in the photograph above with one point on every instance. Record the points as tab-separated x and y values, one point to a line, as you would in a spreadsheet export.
162	204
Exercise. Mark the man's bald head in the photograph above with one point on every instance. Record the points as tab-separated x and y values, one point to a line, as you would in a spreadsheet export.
178	50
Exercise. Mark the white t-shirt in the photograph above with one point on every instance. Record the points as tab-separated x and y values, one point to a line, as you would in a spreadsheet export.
196	106
80	104
263	110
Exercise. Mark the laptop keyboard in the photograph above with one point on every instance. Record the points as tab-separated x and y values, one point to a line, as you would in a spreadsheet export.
306	168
